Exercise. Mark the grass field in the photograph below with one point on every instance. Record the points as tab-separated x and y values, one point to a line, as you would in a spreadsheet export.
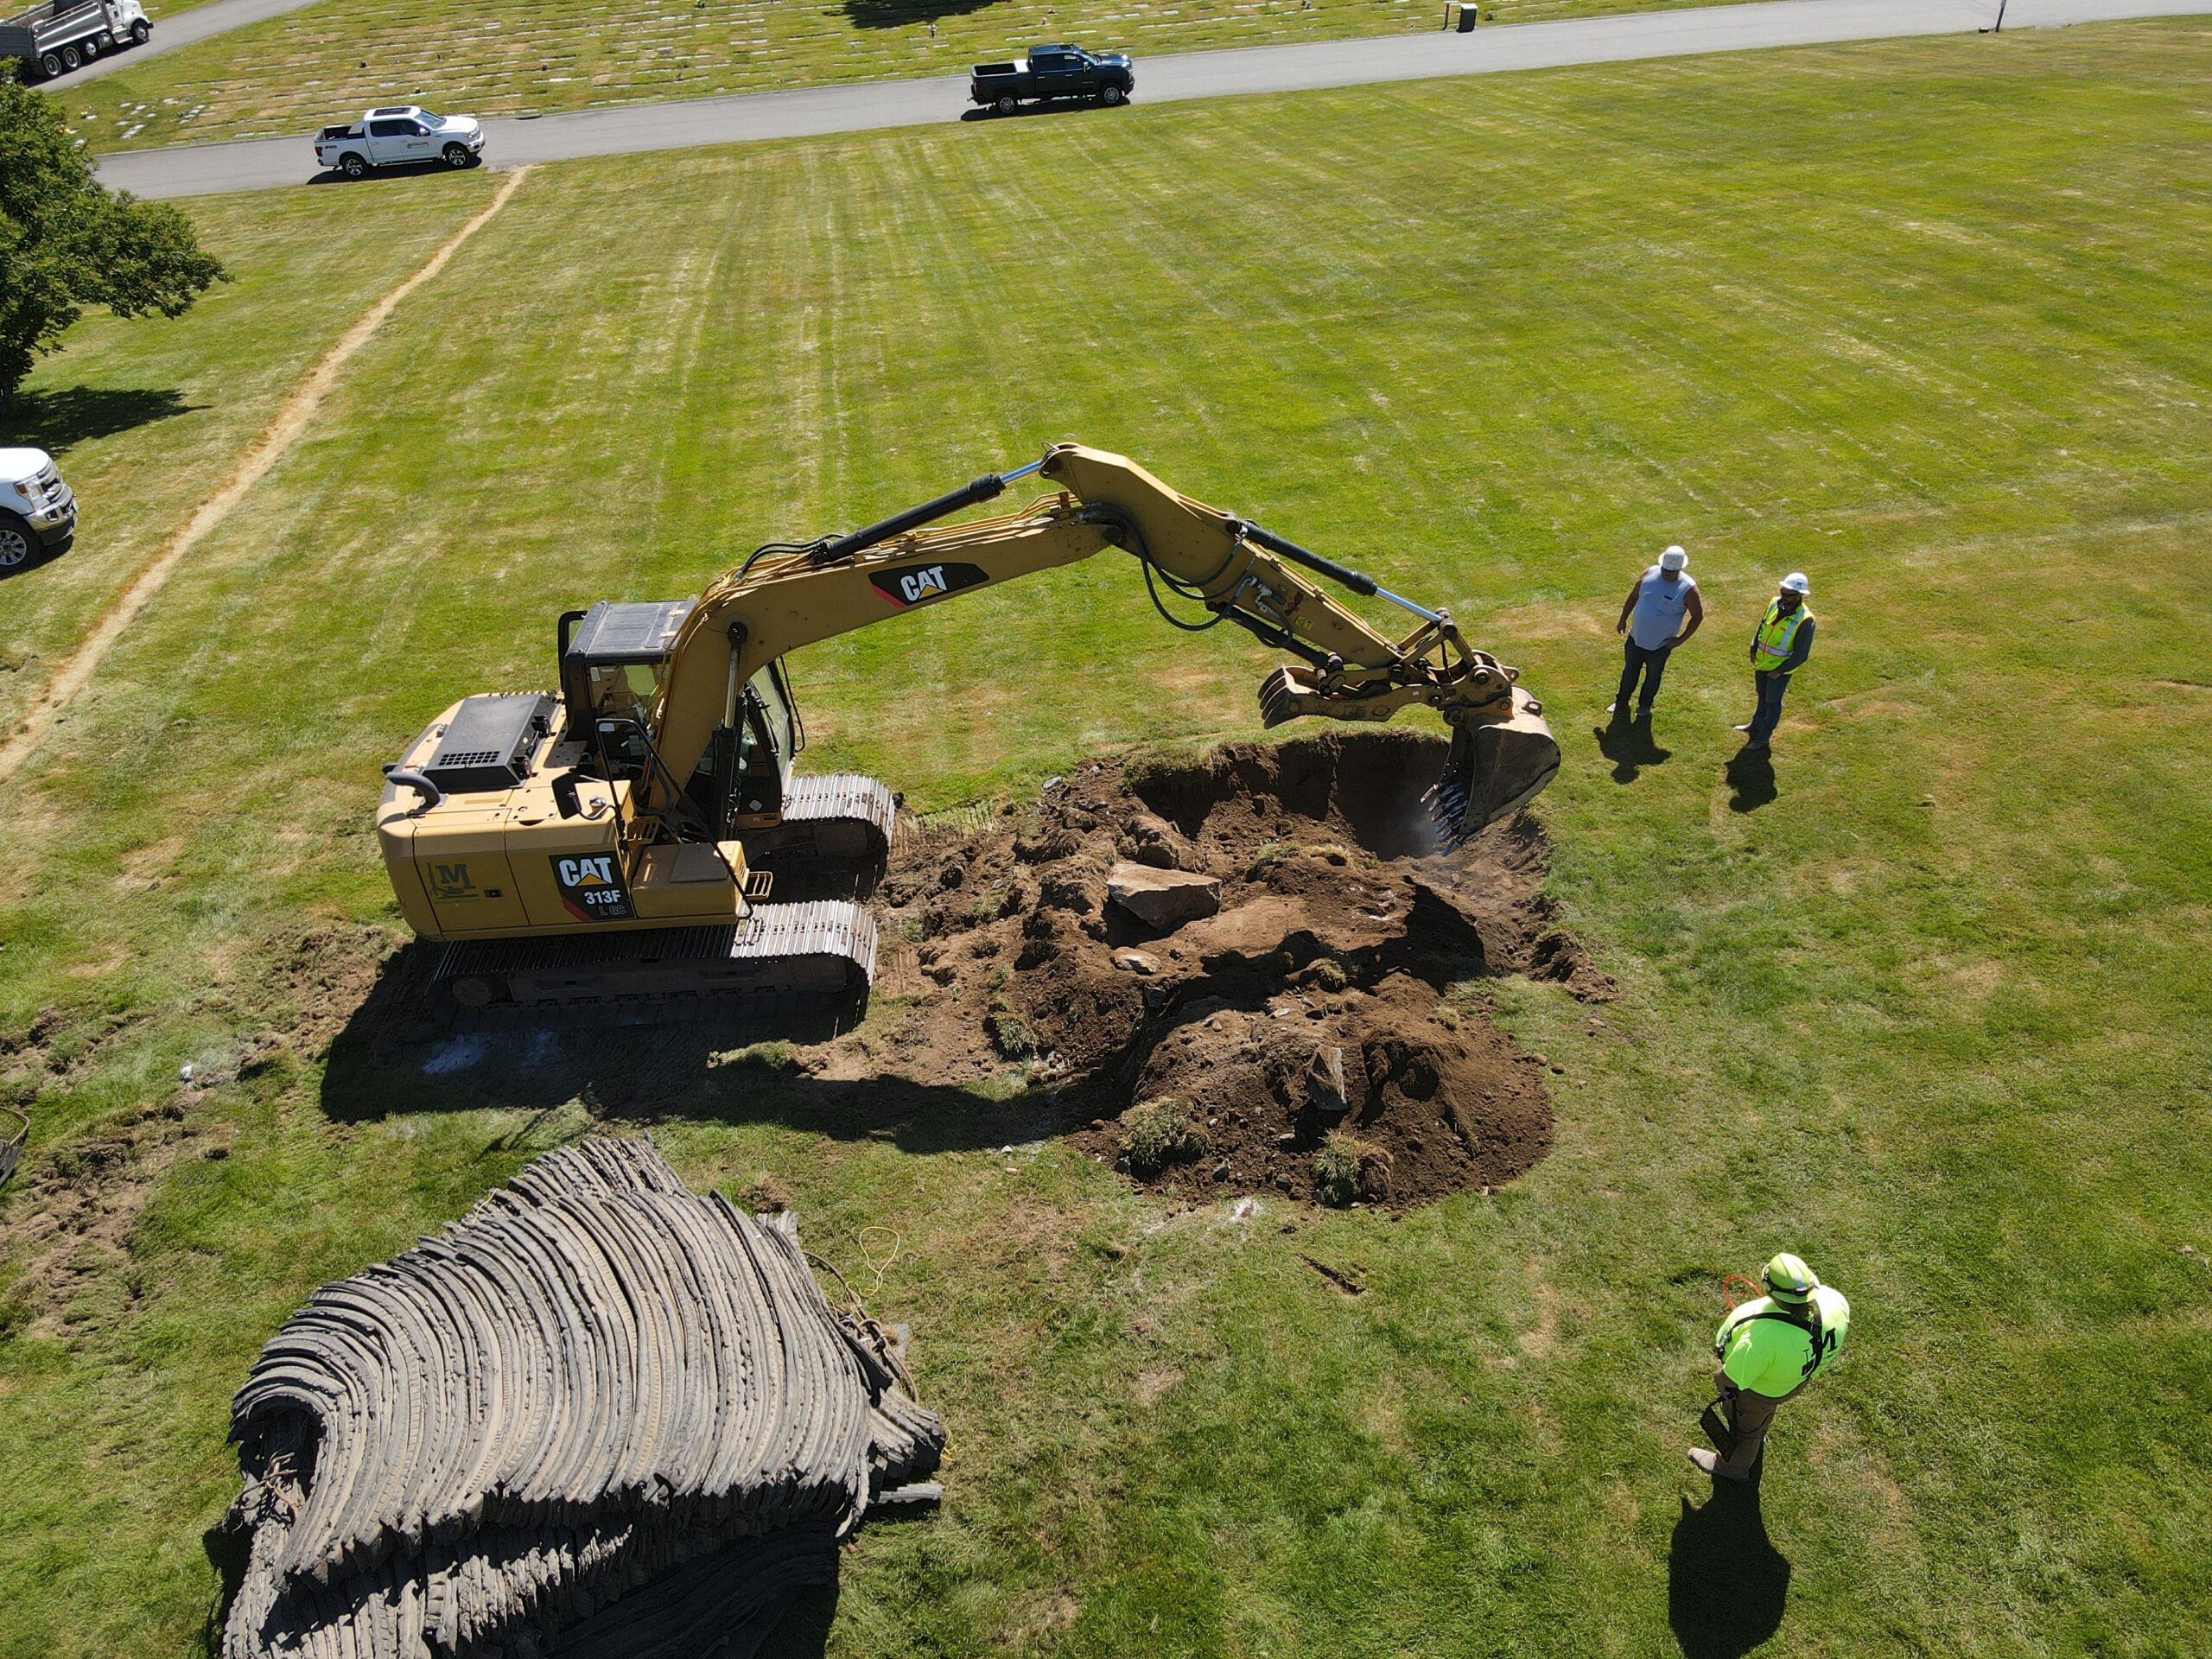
1925	1003
330	62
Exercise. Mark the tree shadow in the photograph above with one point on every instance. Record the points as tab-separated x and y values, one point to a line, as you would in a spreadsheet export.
1630	746
1750	775
1726	1583
58	419
904	14
393	1057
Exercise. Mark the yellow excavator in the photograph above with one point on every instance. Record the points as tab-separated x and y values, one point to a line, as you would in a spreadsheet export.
617	847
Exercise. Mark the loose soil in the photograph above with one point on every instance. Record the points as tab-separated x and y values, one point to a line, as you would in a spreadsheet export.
1312	1007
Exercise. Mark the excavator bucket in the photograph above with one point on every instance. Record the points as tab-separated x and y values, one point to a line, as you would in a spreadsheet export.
1493	769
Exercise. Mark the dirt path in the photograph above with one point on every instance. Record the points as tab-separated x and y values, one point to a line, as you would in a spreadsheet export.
274	444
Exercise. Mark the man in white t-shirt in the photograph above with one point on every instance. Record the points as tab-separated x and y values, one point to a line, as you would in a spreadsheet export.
1661	612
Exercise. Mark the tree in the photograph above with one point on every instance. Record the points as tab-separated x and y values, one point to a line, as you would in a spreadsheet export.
66	242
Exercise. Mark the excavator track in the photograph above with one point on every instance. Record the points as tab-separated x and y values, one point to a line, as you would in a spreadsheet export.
838	825
780	962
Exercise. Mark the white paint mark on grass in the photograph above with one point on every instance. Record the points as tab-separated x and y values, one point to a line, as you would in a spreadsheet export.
285	430
455	1054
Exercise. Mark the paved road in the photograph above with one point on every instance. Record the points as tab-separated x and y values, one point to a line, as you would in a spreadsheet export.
202	169
216	17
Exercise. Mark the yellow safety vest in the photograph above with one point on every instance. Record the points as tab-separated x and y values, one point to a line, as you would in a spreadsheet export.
1777	635
1773	1350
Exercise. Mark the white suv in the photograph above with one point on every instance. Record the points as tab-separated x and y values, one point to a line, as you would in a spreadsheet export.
38	513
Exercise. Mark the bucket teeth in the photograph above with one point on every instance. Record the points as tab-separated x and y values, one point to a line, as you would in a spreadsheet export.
1494	769
1278	695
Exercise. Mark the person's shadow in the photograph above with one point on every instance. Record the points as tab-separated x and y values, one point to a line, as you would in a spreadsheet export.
1629	745
1751	774
1726	1580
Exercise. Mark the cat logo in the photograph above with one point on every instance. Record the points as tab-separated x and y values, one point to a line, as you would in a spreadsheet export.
918	583
591	887
450	881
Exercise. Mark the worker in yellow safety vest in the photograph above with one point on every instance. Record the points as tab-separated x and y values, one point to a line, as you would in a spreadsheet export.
1780	646
1768	1349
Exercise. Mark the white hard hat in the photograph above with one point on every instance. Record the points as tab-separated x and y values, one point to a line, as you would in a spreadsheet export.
1795	583
1673	559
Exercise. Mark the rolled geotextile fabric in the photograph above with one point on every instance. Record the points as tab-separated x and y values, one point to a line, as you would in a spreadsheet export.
598	1415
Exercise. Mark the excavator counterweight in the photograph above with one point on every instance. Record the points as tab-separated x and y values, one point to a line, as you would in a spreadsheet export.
639	840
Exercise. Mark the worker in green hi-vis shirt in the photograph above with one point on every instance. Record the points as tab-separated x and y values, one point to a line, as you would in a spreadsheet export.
1768	1349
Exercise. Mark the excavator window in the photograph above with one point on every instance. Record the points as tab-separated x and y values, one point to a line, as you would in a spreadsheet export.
741	775
764	745
625	690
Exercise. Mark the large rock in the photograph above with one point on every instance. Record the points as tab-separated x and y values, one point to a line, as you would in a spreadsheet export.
1162	899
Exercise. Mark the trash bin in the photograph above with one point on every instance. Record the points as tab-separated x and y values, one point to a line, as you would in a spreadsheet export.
1459	16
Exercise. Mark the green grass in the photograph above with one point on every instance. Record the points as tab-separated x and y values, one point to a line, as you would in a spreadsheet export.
291	75
148	417
1926	319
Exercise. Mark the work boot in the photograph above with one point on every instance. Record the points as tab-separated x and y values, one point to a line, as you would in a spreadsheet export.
1710	1462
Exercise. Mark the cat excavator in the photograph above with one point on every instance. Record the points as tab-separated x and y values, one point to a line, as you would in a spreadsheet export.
615	848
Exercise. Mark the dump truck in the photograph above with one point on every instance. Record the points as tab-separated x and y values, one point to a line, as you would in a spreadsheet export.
624	840
65	34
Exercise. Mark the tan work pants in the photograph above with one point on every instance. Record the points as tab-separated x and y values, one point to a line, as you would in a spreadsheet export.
1749	1414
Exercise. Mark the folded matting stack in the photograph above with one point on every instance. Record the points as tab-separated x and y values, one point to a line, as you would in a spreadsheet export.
599	1415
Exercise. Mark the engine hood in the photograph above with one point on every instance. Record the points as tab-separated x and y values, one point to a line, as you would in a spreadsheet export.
458	123
16	465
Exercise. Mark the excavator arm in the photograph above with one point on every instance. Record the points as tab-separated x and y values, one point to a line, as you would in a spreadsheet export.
787	595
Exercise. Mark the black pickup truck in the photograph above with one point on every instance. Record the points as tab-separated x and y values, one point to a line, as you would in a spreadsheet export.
1051	71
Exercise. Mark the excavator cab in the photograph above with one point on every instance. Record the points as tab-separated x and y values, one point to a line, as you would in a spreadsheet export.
613	660
741	780
613	667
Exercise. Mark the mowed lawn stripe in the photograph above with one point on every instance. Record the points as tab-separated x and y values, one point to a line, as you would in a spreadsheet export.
1930	1013
293	418
146	417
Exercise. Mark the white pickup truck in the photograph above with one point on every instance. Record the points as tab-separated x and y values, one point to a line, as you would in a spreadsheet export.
38	514
396	135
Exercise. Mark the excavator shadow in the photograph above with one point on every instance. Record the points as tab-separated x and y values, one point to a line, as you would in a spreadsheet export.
393	1058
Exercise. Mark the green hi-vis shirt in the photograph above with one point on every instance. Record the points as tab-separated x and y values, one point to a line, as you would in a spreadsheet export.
1770	1350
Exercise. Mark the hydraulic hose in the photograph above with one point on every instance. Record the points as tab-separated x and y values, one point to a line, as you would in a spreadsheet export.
1358	581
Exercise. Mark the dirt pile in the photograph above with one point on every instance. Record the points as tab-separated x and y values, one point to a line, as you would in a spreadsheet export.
1291	1035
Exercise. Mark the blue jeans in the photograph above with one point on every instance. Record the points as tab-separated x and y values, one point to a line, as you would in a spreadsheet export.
1651	664
1771	686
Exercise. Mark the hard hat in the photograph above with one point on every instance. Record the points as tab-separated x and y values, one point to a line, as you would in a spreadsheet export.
1795	583
1789	1278
1673	559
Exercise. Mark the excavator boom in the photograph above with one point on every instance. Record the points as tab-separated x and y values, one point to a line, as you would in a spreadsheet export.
1501	753
615	846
